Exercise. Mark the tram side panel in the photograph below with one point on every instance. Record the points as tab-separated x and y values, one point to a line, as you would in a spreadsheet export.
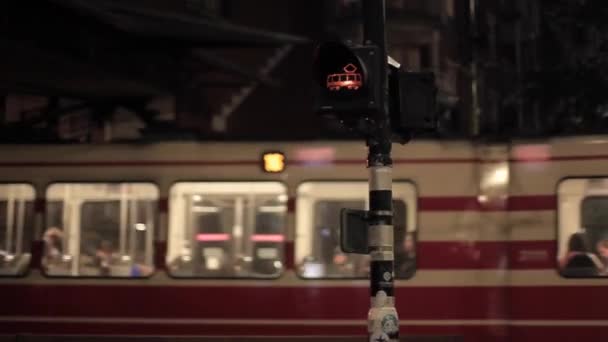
456	250
549	185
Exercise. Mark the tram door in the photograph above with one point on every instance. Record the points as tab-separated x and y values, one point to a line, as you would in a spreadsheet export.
236	235
211	221
227	229
267	240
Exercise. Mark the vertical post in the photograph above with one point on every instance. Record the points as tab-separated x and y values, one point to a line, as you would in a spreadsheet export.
10	217
239	224
66	248
191	232
75	233
382	317
149	233
124	210
476	110
249	224
20	222
132	219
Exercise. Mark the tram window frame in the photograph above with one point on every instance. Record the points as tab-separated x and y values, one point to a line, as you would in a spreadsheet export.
249	274
409	193
575	192
151	235
26	268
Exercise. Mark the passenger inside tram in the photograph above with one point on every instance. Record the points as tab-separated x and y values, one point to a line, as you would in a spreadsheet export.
335	262
53	248
578	262
104	257
587	253
405	256
602	251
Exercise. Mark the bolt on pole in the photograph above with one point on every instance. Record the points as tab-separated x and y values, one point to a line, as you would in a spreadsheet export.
382	317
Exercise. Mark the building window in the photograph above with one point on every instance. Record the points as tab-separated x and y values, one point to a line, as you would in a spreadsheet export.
583	227
318	254
16	227
395	4
100	229
449	8
227	229
206	7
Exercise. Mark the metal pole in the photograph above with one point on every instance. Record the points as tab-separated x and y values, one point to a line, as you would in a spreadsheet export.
122	238
476	110
10	218
75	235
149	233
239	224
382	317
132	219
20	224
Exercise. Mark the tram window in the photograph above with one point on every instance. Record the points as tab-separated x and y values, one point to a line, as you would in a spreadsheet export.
318	253
226	229
99	229
16	227
583	227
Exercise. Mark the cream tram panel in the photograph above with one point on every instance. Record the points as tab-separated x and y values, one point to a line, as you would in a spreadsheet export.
538	168
539	225
169	162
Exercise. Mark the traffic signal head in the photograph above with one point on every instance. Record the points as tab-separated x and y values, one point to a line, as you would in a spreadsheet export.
345	78
349	88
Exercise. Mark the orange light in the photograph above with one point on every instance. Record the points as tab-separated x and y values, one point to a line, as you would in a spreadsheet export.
350	80
274	162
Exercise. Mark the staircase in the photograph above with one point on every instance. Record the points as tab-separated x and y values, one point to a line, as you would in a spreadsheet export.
219	120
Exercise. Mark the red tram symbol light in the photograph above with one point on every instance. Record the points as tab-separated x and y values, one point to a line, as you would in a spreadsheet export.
350	80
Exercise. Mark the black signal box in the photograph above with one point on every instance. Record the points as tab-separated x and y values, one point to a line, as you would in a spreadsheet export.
412	103
348	84
346	80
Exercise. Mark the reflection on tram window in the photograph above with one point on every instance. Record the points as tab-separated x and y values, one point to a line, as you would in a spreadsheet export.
583	227
16	227
100	230
335	263
227	229
318	224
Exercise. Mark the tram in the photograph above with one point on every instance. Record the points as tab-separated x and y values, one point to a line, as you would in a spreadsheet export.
224	239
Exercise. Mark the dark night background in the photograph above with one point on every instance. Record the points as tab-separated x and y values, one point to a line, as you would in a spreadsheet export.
150	70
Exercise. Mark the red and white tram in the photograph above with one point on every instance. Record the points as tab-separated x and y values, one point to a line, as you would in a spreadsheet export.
197	239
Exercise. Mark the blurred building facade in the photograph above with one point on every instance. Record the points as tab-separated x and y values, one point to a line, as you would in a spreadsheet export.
483	53
205	83
423	35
